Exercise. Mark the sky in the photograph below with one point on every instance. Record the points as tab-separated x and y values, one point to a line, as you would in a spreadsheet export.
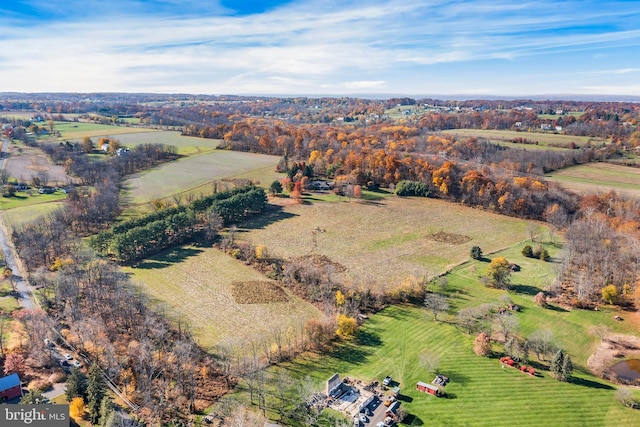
322	47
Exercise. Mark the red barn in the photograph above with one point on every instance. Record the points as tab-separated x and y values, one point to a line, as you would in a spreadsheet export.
10	387
427	388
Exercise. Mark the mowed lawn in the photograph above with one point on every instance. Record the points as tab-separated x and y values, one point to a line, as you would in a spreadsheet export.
481	392
599	178
542	139
382	243
193	285
189	173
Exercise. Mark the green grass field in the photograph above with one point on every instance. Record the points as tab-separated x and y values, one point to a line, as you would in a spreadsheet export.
23	199
193	285
194	173
383	242
78	130
599	178
481	392
186	145
21	215
542	139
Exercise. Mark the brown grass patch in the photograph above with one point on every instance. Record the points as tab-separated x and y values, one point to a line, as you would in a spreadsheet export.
257	292
323	261
451	238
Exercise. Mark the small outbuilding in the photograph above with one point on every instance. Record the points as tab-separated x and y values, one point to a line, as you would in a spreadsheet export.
10	387
427	388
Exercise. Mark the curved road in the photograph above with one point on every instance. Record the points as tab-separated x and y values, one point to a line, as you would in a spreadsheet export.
25	296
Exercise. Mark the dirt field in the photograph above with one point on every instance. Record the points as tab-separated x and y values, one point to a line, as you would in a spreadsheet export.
24	162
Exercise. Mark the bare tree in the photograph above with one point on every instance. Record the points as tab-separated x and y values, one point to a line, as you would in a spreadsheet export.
437	303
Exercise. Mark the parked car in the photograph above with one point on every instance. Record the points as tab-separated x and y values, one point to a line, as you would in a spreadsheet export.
364	418
68	356
386	380
77	364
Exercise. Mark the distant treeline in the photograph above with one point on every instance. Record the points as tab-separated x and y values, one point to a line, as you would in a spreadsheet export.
138	238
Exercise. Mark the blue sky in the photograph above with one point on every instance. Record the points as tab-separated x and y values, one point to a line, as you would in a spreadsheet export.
322	47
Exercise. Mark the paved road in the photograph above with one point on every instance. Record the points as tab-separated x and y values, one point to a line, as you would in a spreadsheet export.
25	297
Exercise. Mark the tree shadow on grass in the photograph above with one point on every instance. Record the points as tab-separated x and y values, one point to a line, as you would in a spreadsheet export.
555	308
412	420
524	289
350	353
405	398
589	383
169	257
270	215
368	338
457	377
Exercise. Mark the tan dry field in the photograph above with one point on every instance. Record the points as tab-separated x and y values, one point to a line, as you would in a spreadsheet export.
24	162
383	243
595	178
211	291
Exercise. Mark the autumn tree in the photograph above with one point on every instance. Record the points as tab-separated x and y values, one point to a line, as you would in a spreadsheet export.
86	145
76	408
499	272
346	326
482	345
540	299
14	364
610	294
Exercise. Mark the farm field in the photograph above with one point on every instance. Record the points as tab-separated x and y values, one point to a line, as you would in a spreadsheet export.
24	162
481	392
194	173
197	285
78	130
26	213
186	145
543	139
599	178
381	243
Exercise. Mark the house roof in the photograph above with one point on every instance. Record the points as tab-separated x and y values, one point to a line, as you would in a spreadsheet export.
9	381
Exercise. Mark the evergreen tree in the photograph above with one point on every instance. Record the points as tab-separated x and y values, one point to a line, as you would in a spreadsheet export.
106	409
76	385
567	367
557	366
95	393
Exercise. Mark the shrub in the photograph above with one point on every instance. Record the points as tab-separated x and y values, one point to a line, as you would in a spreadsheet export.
482	345
476	252
544	255
527	251
412	188
39	384
540	299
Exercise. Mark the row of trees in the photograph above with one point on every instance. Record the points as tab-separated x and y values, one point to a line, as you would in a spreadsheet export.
139	238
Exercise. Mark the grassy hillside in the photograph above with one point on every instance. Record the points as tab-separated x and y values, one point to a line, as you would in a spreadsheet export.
196	285
382	242
193	173
539	139
599	178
